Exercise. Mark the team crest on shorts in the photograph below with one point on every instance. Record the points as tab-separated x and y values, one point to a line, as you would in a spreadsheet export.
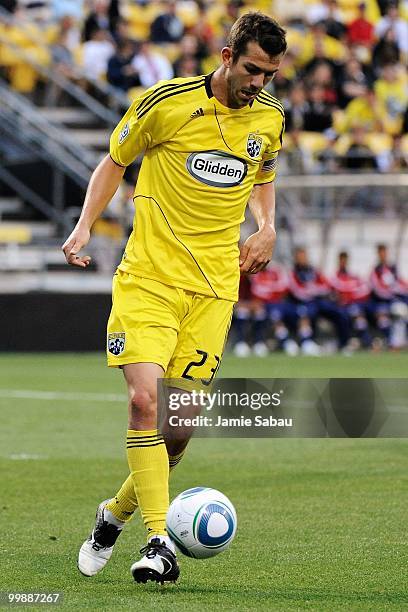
116	343
254	144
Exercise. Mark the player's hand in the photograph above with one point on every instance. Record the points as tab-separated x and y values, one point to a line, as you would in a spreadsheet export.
256	252
74	243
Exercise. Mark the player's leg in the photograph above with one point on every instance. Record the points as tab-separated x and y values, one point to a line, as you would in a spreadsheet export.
142	327
149	469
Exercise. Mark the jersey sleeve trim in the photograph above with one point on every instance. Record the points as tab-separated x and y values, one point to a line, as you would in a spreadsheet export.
117	163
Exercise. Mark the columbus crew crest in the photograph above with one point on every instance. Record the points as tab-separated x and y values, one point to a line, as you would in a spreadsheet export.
254	144
116	343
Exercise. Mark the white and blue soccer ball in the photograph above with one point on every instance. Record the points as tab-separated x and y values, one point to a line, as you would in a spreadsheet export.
202	522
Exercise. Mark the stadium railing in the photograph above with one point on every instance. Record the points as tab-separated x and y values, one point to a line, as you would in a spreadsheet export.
330	212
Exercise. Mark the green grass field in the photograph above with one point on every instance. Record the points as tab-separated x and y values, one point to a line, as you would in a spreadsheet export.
322	522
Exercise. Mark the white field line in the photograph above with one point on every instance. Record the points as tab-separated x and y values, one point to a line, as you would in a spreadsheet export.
61	395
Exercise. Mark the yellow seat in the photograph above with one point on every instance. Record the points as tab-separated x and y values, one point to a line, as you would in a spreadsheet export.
15	233
314	142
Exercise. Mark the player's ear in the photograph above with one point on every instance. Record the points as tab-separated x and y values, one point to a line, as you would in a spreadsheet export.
226	55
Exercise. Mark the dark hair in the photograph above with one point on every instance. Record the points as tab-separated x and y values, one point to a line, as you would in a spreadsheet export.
259	28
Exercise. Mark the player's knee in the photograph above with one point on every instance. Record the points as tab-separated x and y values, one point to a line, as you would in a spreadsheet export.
143	403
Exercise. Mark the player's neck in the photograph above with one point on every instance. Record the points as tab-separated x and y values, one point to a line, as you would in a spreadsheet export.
219	86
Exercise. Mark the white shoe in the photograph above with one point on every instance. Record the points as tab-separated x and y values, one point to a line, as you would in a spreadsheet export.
291	347
311	348
241	349
260	349
96	551
159	562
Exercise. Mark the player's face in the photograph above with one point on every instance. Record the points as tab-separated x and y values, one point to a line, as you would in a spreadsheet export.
248	74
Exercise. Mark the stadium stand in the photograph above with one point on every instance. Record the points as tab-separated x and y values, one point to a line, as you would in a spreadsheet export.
69	68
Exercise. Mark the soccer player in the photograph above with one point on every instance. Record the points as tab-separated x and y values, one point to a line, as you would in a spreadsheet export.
210	145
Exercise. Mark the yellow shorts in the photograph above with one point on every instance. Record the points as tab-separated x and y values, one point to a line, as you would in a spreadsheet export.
182	331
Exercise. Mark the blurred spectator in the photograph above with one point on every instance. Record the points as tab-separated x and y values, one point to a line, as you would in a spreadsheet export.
318	113
98	19
320	11
296	107
268	291
333	22
187	63
392	20
352	294
310	295
391	91
151	66
120	72
96	53
231	14
203	30
363	110
167	27
360	31
69	32
388	291
61	53
321	73
121	32
385	51
243	318
386	284
399	161
316	44
353	82
359	155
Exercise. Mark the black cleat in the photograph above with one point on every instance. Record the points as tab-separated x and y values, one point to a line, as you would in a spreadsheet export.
158	563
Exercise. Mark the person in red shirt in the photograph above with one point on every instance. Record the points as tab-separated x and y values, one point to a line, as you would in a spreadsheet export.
352	294
361	31
269	290
310	294
262	303
388	292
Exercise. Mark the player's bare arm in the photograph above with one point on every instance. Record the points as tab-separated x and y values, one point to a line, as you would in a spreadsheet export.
102	187
256	252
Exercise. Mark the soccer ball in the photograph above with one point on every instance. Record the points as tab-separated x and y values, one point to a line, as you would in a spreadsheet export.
201	522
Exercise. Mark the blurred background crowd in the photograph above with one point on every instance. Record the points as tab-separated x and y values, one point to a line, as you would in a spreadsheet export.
343	82
69	69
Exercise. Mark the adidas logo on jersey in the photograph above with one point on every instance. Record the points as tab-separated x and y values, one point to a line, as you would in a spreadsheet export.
198	113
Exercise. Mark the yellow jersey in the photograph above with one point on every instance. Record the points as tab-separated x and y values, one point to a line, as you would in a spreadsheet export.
201	161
